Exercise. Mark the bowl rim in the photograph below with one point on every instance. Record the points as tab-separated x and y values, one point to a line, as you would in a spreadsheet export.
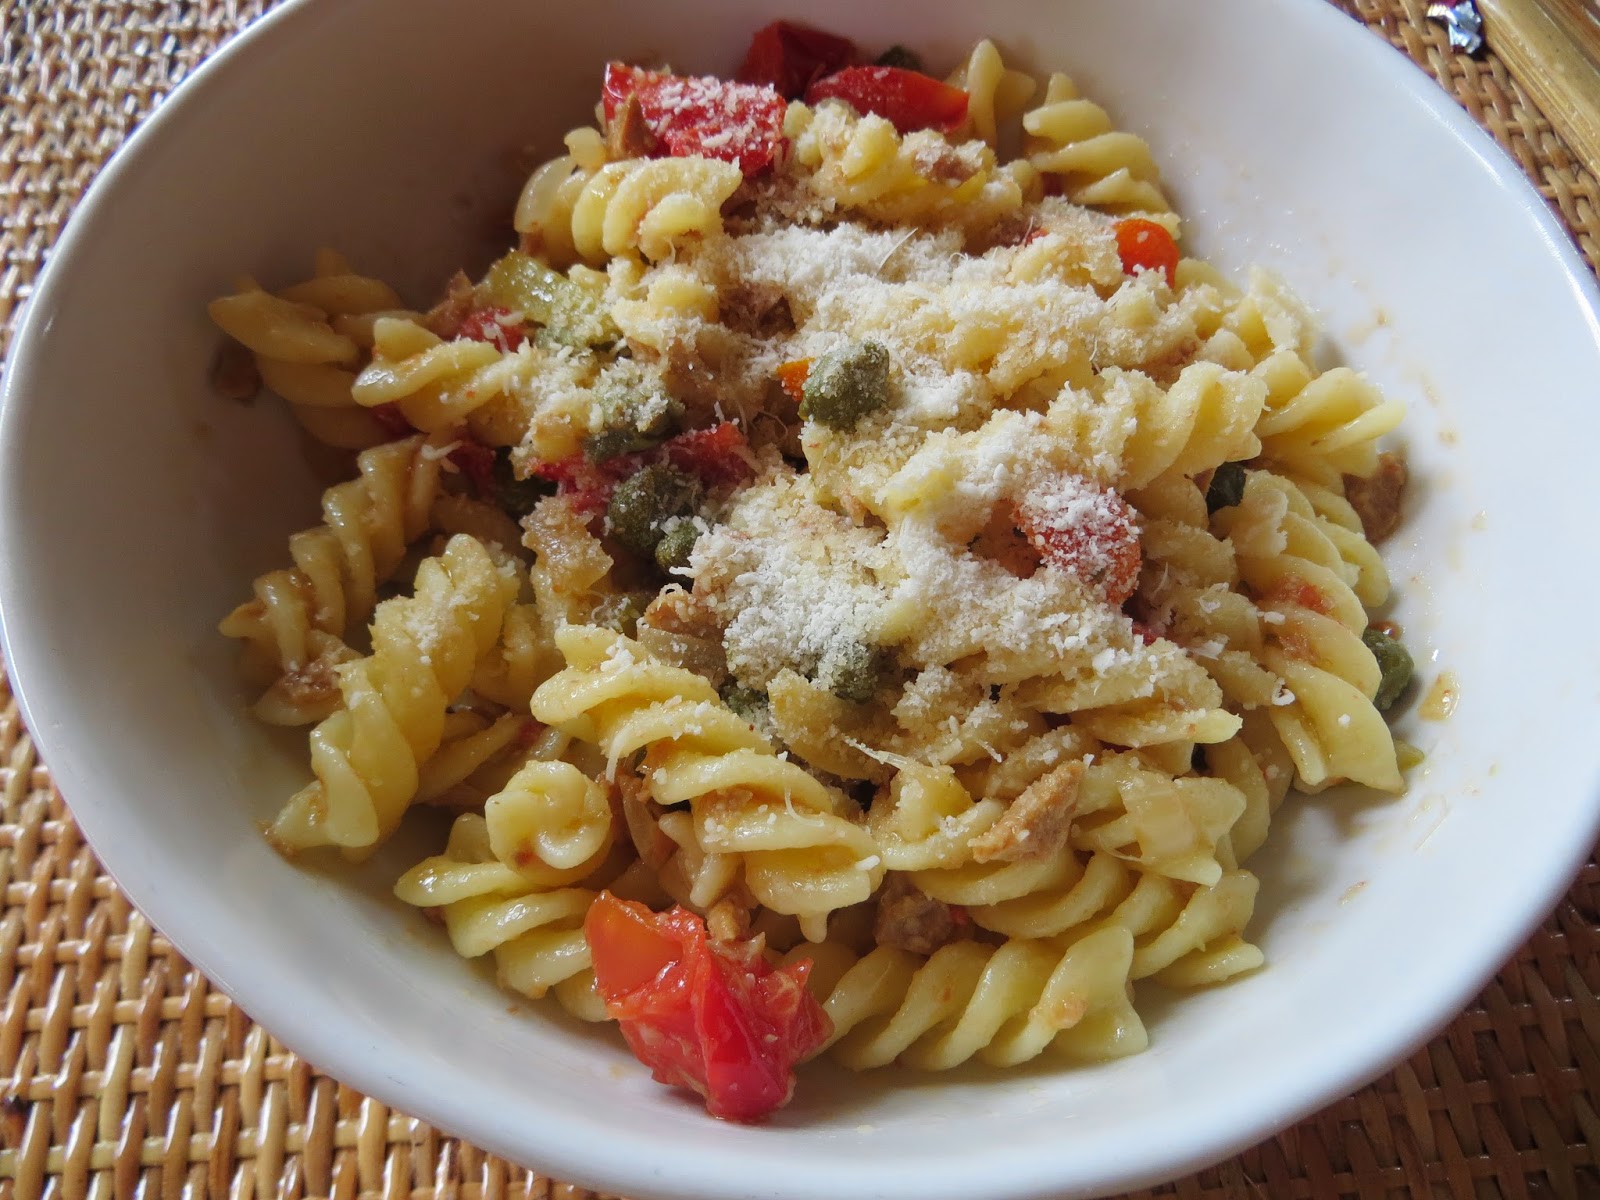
668	1168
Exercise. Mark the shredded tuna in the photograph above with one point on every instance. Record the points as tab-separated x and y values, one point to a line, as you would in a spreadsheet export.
1038	821
910	920
1377	499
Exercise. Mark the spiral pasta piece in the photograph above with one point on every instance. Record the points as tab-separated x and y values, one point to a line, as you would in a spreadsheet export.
1190	588
438	384
307	343
859	163
1169	827
1003	1005
1305	588
545	206
293	629
651	206
927	820
801	853
1322	423
500	890
475	753
996	94
367	754
1256	763
1206	418
1184	934
1099	166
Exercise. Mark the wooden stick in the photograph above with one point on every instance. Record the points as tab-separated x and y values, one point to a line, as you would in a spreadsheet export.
1553	49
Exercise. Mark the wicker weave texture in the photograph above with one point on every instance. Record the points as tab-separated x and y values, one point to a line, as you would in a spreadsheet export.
124	1073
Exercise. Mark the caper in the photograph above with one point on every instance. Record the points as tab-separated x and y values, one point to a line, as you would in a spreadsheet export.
1227	486
517	496
635	413
899	56
672	551
643	504
846	384
747	702
852	671
572	314
1394	662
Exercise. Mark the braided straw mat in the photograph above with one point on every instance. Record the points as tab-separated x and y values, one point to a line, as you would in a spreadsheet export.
125	1073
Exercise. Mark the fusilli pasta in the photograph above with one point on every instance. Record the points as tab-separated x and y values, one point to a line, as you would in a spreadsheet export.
844	545
367	754
307	341
801	853
1072	139
294	628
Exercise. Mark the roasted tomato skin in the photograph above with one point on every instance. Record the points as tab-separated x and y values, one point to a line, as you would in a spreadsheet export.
492	324
476	462
714	1017
1087	530
790	57
908	99
741	123
717	456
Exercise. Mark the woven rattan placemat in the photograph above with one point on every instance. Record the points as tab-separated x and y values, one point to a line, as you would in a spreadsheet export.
124	1073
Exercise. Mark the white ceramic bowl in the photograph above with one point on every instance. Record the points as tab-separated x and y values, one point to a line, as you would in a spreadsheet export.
135	507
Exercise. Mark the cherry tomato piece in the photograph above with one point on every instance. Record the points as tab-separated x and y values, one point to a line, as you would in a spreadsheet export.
1088	530
790	57
716	456
494	325
909	99
588	485
476	462
714	1017
736	122
1144	245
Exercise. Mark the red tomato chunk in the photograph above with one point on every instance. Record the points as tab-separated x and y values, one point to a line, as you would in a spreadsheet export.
1088	530
586	484
910	99
714	1017
736	122
790	57
492	324
476	462
1144	245
717	456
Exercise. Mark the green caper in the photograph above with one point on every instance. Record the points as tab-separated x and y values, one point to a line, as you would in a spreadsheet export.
572	313
517	496
635	413
852	671
747	702
1227	486
672	551
846	384
1394	662
622	611
643	504
899	56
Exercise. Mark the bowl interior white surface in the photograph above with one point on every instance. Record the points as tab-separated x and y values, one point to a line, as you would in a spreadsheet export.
135	507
